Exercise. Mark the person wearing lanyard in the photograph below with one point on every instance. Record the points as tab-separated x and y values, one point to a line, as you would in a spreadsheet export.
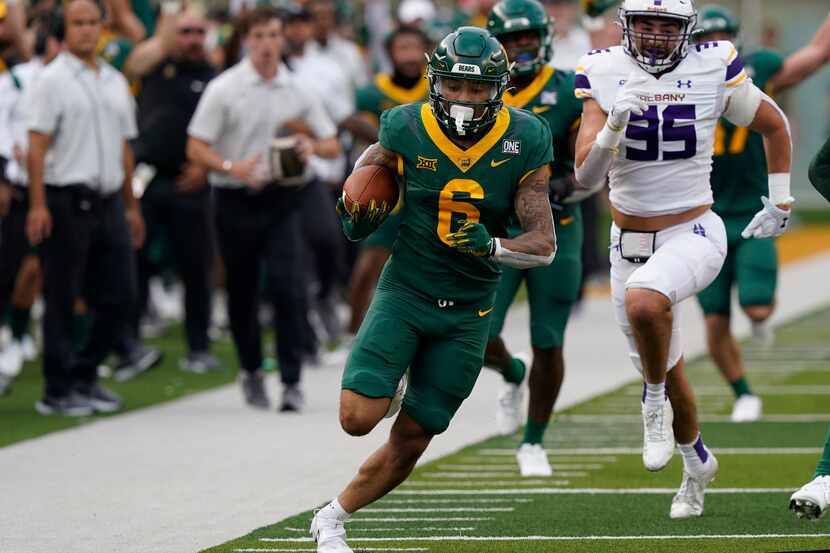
257	219
82	213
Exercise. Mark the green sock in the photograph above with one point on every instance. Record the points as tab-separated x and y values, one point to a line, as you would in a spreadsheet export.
741	387
823	467
534	431
19	322
516	373
81	327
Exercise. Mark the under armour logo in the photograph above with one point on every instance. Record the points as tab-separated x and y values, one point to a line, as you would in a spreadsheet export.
699	230
681	84
445	303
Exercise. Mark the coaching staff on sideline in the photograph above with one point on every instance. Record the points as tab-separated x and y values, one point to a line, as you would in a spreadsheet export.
238	115
82	211
174	71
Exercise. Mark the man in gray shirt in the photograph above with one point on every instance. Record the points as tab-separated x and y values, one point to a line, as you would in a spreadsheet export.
257	219
82	212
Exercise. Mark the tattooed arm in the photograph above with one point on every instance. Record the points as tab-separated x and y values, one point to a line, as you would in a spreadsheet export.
537	245
378	155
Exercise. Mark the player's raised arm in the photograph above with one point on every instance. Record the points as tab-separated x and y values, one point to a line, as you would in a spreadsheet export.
749	107
805	61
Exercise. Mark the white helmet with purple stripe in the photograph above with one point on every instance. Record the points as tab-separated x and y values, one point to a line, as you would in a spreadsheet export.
657	52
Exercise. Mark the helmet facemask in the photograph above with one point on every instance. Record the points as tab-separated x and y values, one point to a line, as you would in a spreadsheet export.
656	52
465	118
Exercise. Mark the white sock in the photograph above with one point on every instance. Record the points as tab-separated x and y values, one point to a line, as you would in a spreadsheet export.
655	395
694	454
334	510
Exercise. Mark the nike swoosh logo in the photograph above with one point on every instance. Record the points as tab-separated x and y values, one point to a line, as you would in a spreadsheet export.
494	163
565	221
484	312
540	109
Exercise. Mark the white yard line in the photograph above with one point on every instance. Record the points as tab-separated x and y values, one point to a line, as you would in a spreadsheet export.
474	475
388	529
484	468
417	519
775	390
586	491
440	510
455	500
594	419
570	538
638	451
281	550
487	483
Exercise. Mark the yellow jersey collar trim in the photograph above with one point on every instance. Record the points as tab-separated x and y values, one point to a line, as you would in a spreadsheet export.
399	94
464	159
528	93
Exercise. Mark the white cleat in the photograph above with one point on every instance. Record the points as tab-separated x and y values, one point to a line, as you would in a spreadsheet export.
688	502
397	399
747	408
658	436
11	359
533	461
27	344
762	334
330	535
509	407
811	500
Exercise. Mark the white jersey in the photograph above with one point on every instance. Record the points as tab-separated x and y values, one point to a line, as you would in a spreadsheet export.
665	156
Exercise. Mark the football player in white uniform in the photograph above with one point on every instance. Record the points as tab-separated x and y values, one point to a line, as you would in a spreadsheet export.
649	114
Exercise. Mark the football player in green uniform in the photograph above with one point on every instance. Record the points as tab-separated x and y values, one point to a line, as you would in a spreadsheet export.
812	499
525	30
406	47
739	178
468	164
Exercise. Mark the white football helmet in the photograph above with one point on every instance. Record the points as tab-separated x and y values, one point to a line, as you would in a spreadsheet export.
657	52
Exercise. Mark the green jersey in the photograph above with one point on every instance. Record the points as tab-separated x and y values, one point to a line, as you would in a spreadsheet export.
382	94
820	171
551	96
739	167
445	185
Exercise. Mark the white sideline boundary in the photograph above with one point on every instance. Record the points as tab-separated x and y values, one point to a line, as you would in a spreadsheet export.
638	451
587	491
568	538
196	472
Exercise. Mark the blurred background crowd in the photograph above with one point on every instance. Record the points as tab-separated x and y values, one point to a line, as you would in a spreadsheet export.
355	59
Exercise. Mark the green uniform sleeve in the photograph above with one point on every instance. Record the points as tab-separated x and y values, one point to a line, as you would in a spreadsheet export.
392	128
366	100
820	171
541	152
764	64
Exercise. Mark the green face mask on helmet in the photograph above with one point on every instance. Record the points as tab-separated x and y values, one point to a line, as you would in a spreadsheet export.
717	19
514	16
468	54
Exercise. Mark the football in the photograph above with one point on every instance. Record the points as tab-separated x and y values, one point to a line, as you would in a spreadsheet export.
370	182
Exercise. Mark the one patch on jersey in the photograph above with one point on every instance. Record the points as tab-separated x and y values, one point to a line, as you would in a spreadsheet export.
427	163
512	147
550	98
467	68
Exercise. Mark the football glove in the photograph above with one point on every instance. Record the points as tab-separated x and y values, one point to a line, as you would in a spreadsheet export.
357	226
770	222
595	8
472	239
628	100
559	190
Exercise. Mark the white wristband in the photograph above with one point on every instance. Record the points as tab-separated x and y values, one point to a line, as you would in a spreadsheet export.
608	138
779	188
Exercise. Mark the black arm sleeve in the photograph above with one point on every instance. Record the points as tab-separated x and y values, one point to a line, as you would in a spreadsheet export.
820	171
3	163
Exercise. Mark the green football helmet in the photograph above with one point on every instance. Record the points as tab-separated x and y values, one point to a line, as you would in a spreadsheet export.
513	16
713	18
467	54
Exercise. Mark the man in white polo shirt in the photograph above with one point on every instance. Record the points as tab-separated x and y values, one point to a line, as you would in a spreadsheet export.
82	213
257	219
